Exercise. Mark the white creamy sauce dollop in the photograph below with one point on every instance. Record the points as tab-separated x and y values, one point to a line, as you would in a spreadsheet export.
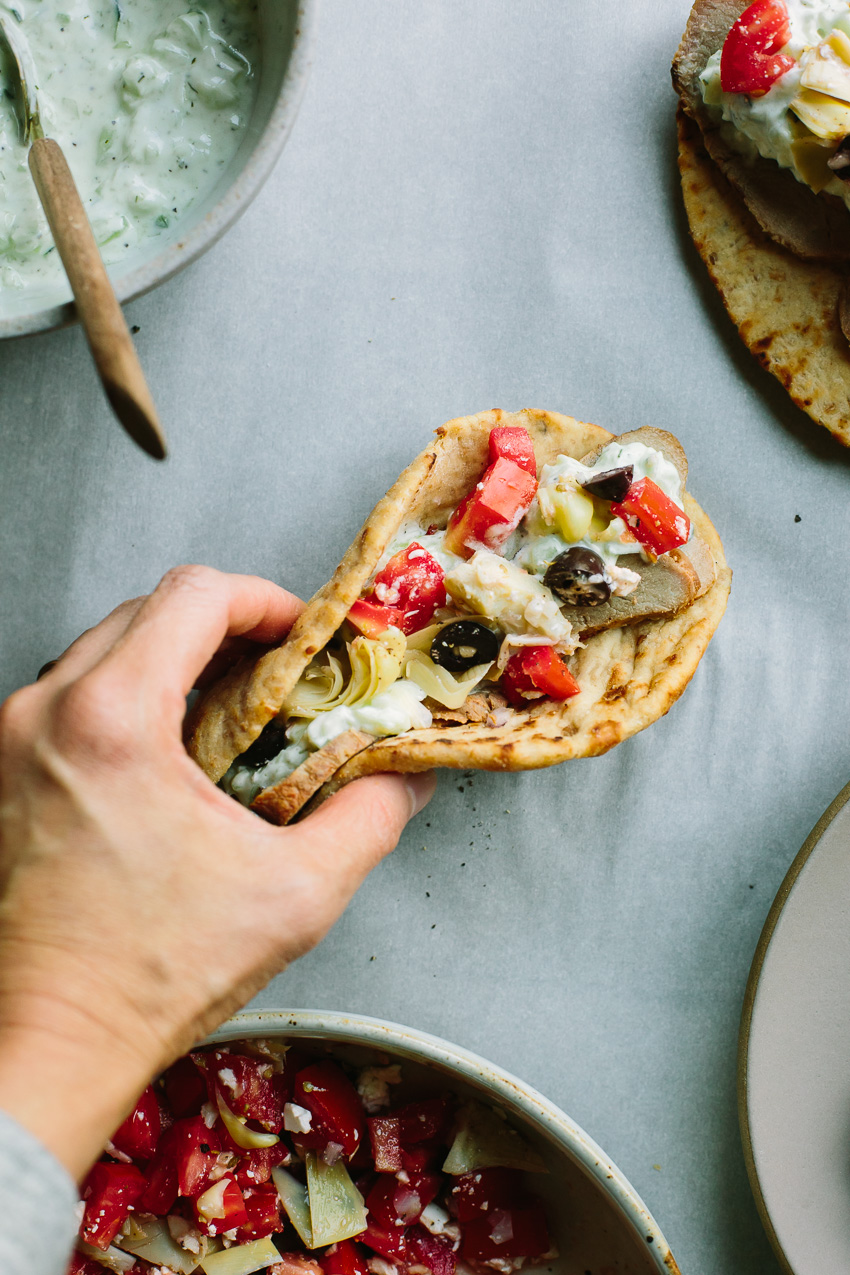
391	712
149	100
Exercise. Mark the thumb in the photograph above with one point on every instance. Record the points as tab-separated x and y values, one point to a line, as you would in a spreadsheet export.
362	823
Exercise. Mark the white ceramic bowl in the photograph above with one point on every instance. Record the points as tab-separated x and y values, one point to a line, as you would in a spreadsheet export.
598	1219
286	40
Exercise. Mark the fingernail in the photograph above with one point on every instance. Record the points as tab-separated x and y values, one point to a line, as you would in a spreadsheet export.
421	789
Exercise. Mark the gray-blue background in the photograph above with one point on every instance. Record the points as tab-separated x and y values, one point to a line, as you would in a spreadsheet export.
479	208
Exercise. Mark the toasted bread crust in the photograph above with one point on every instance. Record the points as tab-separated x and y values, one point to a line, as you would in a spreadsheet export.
280	803
786	310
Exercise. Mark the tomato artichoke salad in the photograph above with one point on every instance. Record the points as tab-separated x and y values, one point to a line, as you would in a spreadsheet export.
476	606
258	1156
781	86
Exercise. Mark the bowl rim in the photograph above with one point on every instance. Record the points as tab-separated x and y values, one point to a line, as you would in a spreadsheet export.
227	210
419	1046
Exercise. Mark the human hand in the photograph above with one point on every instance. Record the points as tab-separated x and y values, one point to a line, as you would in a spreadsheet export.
141	906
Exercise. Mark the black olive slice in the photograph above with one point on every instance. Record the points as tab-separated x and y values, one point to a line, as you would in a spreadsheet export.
266	746
612	484
577	576
463	644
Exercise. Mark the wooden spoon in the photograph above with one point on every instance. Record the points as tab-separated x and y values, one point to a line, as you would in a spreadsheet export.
100	314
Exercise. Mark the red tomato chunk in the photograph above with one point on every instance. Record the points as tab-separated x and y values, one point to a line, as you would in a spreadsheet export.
475	1193
492	510
536	670
262	1206
385	1136
371	619
249	1087
506	1234
344	1258
138	1135
514	443
655	520
109	1192
338	1116
433	1252
412	582
751	61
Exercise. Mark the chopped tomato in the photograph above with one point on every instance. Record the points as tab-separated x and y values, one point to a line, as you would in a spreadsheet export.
393	1204
255	1167
385	1136
537	669
344	1258
371	619
161	1183
249	1088
412	581
492	510
388	1243
138	1135
193	1149
262	1205
338	1116
422	1121
505	1234
220	1207
109	1192
514	443
654	519
82	1265
751	60
436	1252
185	1087
484	1190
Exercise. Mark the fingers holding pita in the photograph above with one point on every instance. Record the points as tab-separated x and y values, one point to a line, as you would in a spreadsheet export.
181	626
361	824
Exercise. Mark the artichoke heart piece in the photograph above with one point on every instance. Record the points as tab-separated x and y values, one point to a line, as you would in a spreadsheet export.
337	1211
826	68
823	115
374	664
293	1197
449	689
484	1140
811	162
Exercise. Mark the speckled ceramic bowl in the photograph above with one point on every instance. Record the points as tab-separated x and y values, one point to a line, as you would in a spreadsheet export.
287	29
601	1224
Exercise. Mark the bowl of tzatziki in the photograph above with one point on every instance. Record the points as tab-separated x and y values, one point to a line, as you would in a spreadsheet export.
171	114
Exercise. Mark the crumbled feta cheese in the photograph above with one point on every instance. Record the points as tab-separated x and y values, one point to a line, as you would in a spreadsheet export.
296	1119
373	1086
228	1078
378	1266
437	1221
623	580
209	1114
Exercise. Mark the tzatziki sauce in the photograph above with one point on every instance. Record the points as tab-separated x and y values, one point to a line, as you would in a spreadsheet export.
149	100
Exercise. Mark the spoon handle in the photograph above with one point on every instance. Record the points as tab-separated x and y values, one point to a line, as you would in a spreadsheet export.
97	306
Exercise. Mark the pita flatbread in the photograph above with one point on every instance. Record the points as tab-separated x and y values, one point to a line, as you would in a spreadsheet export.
786	310
629	676
776	252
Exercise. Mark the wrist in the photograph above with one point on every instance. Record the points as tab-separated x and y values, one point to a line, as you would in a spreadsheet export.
70	1093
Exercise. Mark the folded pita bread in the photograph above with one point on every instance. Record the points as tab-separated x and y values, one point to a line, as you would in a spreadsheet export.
629	675
777	252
